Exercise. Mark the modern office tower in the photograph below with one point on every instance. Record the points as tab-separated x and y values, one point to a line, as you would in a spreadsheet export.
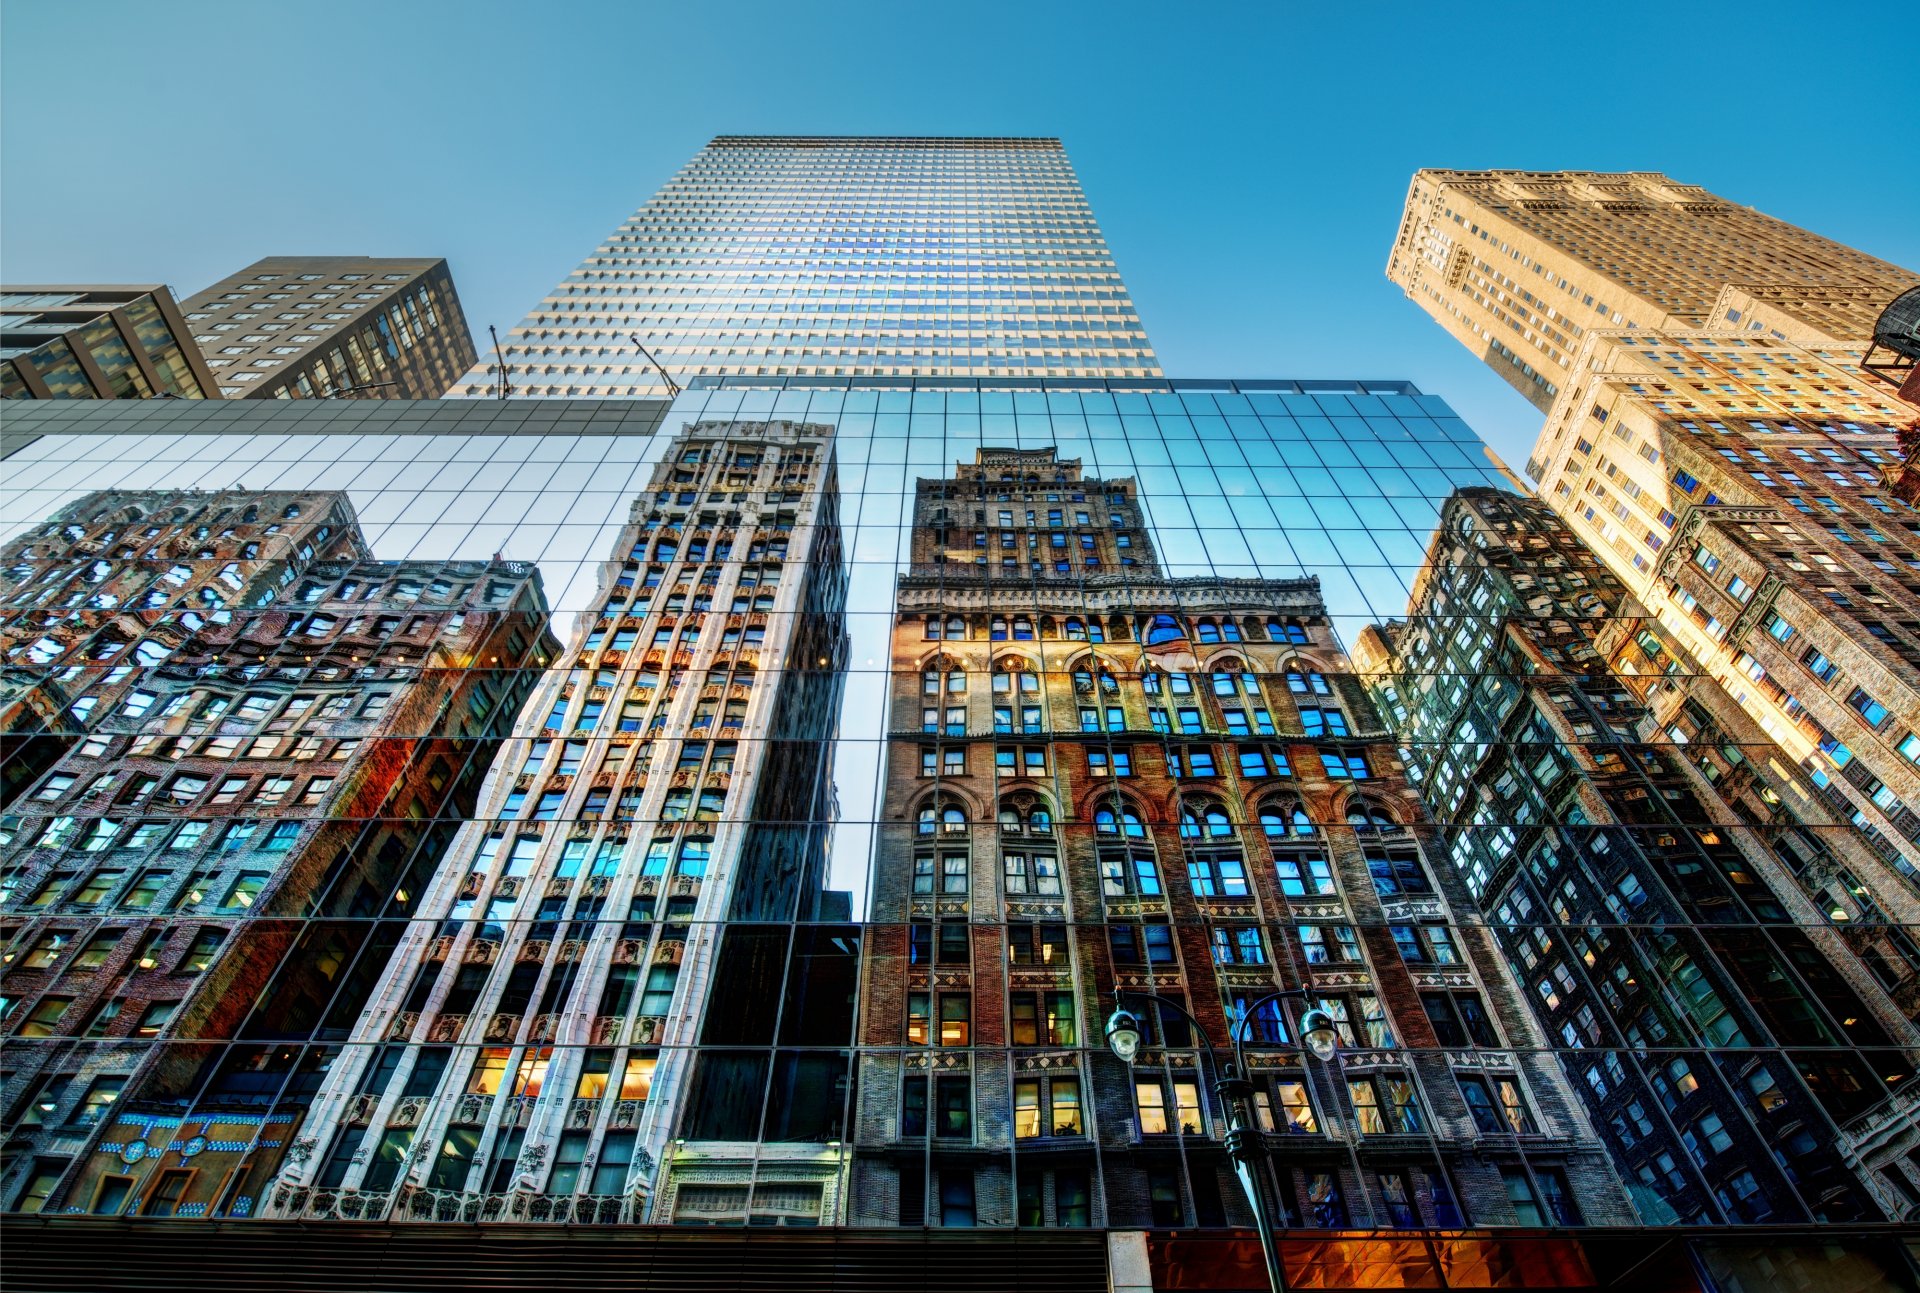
99	343
319	327
838	257
115	583
1720	1031
206	866
1521	266
1103	779
611	1008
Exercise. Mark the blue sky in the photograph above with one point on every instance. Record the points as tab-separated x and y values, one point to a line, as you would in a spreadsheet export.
1247	164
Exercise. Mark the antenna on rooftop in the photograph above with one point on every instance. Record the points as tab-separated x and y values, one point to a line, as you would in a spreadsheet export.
500	363
673	387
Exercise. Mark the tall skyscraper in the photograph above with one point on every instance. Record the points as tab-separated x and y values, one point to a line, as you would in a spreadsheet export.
1520	266
97	343
314	327
1727	1039
1104	780
838	257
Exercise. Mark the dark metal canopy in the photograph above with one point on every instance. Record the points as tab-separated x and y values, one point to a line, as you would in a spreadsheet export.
1898	328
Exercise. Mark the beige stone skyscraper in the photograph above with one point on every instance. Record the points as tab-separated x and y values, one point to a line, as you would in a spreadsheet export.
1521	265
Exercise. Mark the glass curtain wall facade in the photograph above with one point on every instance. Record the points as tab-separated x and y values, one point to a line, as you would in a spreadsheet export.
838	257
1727	1037
788	873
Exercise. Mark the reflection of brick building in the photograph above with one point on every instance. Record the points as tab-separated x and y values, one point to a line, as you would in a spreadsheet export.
203	866
608	1013
1703	1010
115	582
1099	776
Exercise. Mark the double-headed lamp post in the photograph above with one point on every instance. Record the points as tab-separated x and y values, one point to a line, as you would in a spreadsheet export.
1244	1145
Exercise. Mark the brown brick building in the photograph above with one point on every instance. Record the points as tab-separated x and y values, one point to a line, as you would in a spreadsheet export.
320	327
1098	776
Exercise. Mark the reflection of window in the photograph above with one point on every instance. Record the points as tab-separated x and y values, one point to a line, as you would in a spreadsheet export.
1385	1104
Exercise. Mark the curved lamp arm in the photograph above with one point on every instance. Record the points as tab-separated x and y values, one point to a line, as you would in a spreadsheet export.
1213	1056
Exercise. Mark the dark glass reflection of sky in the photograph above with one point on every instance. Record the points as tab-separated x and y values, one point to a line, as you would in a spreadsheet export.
1345	488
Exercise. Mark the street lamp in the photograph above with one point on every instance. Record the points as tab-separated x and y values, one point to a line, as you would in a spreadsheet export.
1125	1033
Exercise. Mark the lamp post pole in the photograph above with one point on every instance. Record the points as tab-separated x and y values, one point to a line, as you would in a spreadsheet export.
1235	1092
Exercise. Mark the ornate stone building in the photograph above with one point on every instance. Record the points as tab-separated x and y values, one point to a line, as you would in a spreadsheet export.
1099	777
617	1001
1521	267
206	884
1721	1031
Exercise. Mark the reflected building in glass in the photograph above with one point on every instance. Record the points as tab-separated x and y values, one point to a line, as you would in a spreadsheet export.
1100	778
695	944
270	735
617	1004
1726	1037
837	256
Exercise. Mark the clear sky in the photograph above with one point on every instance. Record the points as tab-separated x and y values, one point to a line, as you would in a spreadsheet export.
1246	163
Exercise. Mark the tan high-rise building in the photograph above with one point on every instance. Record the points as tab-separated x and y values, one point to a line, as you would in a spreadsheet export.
1737	486
1522	265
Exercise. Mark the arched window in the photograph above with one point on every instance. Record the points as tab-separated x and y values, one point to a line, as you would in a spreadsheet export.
1300	859
1302	681
1164	628
1026	815
1013	676
1207	631
1287	820
943	818
934	627
1127	862
1230	629
1206	821
943	675
1365	815
1076	629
